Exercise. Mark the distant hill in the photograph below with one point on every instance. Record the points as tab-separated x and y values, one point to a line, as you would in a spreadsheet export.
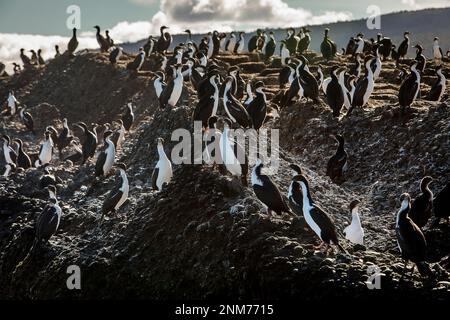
423	25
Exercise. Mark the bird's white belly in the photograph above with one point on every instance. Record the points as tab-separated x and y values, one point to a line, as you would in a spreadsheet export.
164	173
46	153
176	93
109	161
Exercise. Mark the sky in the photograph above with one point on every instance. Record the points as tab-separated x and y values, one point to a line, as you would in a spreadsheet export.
42	24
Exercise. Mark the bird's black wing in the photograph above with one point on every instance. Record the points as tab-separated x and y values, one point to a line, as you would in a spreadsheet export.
47	223
99	163
165	94
321	218
155	178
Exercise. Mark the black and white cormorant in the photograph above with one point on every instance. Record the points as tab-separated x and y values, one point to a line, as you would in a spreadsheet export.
208	103
73	42
287	74
410	87
410	239
45	150
25	59
23	160
364	87
47	177
108	39
115	54
438	88
162	173
402	50
34	59
77	156
267	191
253	42
232	153
102	42
284	53
420	58
138	61
159	83
172	92
128	117
308	81
316	218
106	157
422	206
149	46
164	40
437	52
270	46
48	222
8	152
230	43
257	108
303	44
240	43
64	138
12	103
328	47
90	142
337	165
354	231
233	107
27	119
118	195
334	93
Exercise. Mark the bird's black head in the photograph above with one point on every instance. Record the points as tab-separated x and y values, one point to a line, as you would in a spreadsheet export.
339	138
18	141
301	178
22	50
405	196
227	122
258	85
426	181
97	27
163	28
354	204
297	169
6	138
121	165
212	121
160	141
107	134
51	188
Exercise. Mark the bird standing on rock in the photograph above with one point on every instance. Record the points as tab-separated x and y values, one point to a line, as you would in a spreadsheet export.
46	150
338	163
316	218
118	195
90	142
137	63
354	232
409	89
23	160
8	152
73	42
162	173
410	239
102	42
422	206
106	157
128	117
267	191
27	119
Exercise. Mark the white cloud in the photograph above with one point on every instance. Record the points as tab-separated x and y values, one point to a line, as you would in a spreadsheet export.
421	4
198	15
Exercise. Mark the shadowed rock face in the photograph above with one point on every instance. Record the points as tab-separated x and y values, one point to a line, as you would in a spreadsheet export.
183	242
